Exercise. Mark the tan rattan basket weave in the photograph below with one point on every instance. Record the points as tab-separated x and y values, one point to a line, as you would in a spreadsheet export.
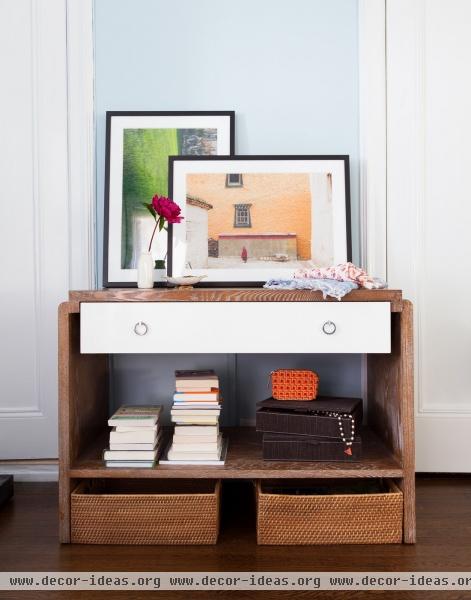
141	512
329	519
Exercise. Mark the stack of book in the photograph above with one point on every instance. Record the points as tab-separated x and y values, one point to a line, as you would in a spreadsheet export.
195	412
135	437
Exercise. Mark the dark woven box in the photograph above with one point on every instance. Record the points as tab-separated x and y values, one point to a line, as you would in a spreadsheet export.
309	418
277	446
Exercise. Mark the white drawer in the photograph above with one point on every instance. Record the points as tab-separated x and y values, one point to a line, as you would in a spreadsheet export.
235	327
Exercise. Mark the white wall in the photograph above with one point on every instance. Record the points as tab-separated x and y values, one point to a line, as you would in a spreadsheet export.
44	209
429	213
33	222
289	68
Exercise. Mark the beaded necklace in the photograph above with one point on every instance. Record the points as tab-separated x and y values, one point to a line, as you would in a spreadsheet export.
339	417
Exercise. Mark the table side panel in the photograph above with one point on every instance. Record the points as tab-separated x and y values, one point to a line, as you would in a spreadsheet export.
83	403
391	406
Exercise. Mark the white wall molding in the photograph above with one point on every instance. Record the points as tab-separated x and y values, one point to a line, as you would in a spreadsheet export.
20	412
372	63
81	144
428	95
47	216
372	128
405	153
34	472
34	410
33	221
407	178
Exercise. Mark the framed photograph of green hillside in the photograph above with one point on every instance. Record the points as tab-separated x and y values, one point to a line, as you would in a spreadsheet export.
138	147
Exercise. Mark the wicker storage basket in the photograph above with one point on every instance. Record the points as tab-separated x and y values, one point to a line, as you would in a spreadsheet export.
287	519
294	384
145	512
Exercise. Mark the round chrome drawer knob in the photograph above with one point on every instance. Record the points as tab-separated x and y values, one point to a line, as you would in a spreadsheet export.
329	328
141	328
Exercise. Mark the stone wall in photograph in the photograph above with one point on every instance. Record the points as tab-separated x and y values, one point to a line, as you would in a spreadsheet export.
258	246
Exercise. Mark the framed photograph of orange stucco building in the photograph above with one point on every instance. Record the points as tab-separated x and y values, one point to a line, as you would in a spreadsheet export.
253	218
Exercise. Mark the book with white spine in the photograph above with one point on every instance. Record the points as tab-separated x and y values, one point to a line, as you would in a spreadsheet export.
134	455
119	446
130	464
196	430
136	415
124	428
197	412
195	439
190	458
196	405
197	396
197	446
133	437
193	420
190	381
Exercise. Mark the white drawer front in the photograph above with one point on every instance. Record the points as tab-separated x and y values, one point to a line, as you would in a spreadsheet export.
235	327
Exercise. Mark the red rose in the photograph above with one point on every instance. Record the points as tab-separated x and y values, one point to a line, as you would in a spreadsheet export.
167	209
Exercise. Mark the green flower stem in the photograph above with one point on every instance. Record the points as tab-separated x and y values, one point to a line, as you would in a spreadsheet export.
157	224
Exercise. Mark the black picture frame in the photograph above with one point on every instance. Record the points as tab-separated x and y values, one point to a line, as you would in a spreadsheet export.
107	283
320	157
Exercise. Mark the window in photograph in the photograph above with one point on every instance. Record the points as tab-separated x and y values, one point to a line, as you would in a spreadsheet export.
234	180
242	215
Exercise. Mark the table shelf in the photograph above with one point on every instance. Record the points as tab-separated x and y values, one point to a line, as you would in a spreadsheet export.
244	461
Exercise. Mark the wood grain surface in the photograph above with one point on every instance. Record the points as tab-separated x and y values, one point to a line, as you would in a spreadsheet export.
83	403
391	405
244	461
83	383
406	395
231	295
29	541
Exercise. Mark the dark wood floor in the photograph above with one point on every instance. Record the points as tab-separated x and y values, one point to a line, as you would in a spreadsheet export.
28	541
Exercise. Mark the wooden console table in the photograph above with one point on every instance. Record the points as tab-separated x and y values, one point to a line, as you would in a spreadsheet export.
95	324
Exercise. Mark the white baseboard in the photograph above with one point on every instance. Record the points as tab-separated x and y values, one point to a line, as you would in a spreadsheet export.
22	471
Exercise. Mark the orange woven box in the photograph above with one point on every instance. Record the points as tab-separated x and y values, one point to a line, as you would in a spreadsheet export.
294	384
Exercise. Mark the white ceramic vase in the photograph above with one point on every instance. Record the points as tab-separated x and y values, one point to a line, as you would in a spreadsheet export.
145	271
160	271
